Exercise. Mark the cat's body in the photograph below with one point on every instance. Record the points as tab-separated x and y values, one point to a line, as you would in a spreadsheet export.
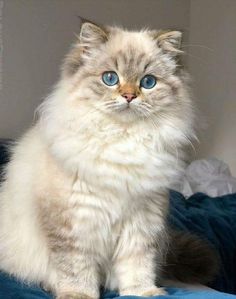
98	212
84	200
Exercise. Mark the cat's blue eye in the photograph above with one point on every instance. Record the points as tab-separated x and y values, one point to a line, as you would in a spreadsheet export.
110	78
148	81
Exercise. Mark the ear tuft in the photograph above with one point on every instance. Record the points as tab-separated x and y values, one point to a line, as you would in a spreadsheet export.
169	41
92	35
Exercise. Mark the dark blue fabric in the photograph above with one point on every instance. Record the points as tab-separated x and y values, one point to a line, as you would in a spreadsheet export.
4	150
176	293
5	145
11	289
214	219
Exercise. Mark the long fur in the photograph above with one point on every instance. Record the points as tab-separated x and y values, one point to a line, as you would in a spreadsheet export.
84	199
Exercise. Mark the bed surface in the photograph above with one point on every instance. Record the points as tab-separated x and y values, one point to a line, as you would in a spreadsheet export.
11	289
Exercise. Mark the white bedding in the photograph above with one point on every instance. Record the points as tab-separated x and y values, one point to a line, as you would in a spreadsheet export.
210	176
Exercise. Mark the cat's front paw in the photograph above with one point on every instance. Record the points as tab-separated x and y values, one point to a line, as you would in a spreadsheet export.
144	292
72	295
155	291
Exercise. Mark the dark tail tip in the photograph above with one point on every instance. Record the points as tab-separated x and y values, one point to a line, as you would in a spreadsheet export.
190	259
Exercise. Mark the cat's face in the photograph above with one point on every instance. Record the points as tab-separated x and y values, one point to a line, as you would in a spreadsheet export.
126	75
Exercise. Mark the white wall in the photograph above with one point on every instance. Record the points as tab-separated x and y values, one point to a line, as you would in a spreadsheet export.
37	34
213	67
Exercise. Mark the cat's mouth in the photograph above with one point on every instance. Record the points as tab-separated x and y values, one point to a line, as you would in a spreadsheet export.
128	106
127	109
129	112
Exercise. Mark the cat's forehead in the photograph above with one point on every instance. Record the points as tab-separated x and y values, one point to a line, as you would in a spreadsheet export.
131	53
140	39
130	44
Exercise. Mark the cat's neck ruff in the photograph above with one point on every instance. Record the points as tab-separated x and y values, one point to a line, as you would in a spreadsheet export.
121	159
125	157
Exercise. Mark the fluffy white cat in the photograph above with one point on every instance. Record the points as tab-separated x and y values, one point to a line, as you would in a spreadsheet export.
84	200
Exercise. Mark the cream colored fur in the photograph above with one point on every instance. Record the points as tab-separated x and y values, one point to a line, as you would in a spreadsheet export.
96	178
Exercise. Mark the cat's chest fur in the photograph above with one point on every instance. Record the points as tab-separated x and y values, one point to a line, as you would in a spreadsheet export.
126	163
103	179
119	167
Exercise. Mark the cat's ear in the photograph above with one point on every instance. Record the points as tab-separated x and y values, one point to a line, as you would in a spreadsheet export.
169	41
92	35
89	38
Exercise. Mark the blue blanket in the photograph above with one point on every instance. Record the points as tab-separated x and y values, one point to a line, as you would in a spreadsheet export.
211	218
215	220
11	289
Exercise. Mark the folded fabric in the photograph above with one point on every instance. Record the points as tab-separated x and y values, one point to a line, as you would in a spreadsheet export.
210	176
215	220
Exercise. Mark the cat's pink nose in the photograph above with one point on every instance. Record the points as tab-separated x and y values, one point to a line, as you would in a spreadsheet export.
129	96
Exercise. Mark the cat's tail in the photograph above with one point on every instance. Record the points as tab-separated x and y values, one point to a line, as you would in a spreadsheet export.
190	259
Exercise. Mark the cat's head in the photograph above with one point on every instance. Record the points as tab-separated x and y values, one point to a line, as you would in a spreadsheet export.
126	75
